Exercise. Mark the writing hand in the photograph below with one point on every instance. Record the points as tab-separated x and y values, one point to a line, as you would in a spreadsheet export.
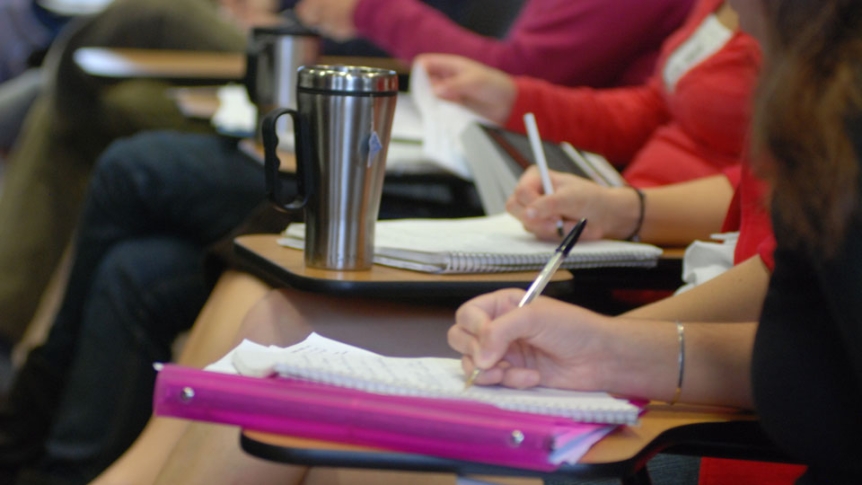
547	343
612	212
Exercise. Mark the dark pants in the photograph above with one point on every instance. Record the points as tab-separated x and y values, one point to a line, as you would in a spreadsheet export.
72	121
156	201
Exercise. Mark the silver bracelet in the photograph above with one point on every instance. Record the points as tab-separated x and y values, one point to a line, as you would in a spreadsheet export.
680	336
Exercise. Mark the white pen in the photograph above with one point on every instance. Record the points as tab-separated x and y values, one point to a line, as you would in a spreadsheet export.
543	279
541	161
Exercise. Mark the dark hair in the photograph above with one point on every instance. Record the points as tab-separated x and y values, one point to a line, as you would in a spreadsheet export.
810	91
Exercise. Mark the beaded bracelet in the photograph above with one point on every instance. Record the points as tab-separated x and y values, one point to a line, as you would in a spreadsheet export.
680	335
635	235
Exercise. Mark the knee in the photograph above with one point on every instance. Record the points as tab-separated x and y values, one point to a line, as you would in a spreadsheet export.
126	163
138	165
142	151
138	269
155	286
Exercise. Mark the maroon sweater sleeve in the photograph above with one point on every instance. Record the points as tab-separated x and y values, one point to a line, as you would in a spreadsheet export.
584	42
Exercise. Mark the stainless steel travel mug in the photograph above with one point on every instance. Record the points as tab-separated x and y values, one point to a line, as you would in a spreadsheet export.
273	57
343	124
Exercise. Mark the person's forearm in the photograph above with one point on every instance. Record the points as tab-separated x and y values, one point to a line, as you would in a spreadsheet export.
733	296
644	361
615	123
674	215
555	40
681	213
717	355
407	29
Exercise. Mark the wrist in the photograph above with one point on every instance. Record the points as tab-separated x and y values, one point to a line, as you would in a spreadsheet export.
627	205
643	361
519	101
501	105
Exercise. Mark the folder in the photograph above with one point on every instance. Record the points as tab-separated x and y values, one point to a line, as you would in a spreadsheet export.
448	428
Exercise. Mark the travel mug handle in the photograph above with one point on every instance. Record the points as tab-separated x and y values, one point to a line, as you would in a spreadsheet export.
275	190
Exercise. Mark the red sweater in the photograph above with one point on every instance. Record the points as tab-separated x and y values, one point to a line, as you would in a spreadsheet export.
749	215
697	129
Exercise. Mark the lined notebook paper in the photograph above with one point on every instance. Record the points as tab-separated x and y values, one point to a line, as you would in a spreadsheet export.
322	360
483	245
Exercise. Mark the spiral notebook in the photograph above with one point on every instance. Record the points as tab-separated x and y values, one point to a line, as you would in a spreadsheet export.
322	360
487	244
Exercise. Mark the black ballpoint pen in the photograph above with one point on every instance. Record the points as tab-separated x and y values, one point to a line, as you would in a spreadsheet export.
544	277
554	263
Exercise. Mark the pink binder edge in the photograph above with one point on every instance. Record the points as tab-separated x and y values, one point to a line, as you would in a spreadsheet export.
438	427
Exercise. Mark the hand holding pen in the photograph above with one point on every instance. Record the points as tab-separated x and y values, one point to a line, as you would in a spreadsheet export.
543	278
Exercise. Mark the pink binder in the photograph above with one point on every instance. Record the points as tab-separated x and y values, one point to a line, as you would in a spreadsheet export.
438	427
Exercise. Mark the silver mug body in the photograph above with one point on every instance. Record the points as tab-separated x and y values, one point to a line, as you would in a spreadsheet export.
274	56
343	123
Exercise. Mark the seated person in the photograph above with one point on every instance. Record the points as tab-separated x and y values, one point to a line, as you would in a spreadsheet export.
688	121
691	129
70	123
797	347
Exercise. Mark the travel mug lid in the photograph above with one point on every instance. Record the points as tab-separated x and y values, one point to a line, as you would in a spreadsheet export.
350	79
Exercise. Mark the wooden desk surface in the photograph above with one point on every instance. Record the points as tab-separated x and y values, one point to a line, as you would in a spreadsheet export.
620	454
190	65
287	266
